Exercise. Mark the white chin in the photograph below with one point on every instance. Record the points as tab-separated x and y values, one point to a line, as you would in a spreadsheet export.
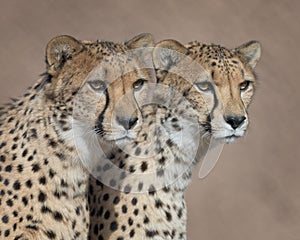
230	139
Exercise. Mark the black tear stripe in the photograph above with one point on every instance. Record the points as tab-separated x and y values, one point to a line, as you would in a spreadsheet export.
101	116
216	103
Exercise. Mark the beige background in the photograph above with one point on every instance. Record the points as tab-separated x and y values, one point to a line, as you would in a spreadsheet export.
254	192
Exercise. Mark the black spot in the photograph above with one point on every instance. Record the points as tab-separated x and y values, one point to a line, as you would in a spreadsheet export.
168	216
151	233
134	201
131	169
113	226
42	180
100	237
162	160
146	220
36	167
15	213
137	151
50	234
179	214
124	209
107	214
10	119
5	219
45	209
158	203
9	203
28	183
105	197
96	230
6	233
77	211
61	156
132	232
169	142
144	166
130	221
63	183
2	158
136	212
24	153
8	168
101	226
42	197
151	190
25	201
116	200
51	173
20	168
57	216
17	185
32	227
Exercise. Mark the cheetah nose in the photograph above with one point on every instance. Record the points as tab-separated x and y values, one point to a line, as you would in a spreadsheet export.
127	122
235	120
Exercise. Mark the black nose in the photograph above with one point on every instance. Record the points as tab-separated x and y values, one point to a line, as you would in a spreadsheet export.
235	120
127	122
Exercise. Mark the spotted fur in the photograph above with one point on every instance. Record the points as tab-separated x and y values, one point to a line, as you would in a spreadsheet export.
146	199
43	182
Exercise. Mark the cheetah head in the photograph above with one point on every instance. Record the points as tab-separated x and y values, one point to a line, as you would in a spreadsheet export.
97	85
218	83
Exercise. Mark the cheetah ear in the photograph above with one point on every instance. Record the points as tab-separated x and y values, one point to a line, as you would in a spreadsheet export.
251	51
59	50
168	53
141	40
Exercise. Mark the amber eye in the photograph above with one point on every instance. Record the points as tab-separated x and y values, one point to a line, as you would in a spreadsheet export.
98	85
204	86
138	84
244	85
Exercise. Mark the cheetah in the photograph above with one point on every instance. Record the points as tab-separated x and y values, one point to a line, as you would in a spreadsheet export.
146	200
43	183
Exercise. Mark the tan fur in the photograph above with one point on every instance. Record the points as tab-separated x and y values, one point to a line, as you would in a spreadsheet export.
147	202
43	183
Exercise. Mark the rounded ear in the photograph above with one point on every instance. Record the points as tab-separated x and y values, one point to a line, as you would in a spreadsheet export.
251	51
59	50
141	40
168	53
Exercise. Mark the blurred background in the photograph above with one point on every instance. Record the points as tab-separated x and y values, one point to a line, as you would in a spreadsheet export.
253	192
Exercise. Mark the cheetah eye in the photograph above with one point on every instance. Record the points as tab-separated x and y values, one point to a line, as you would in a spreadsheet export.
203	86
138	84
244	85
98	85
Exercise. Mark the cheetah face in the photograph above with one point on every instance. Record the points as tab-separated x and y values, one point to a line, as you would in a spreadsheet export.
218	83
100	84
230	88
109	103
